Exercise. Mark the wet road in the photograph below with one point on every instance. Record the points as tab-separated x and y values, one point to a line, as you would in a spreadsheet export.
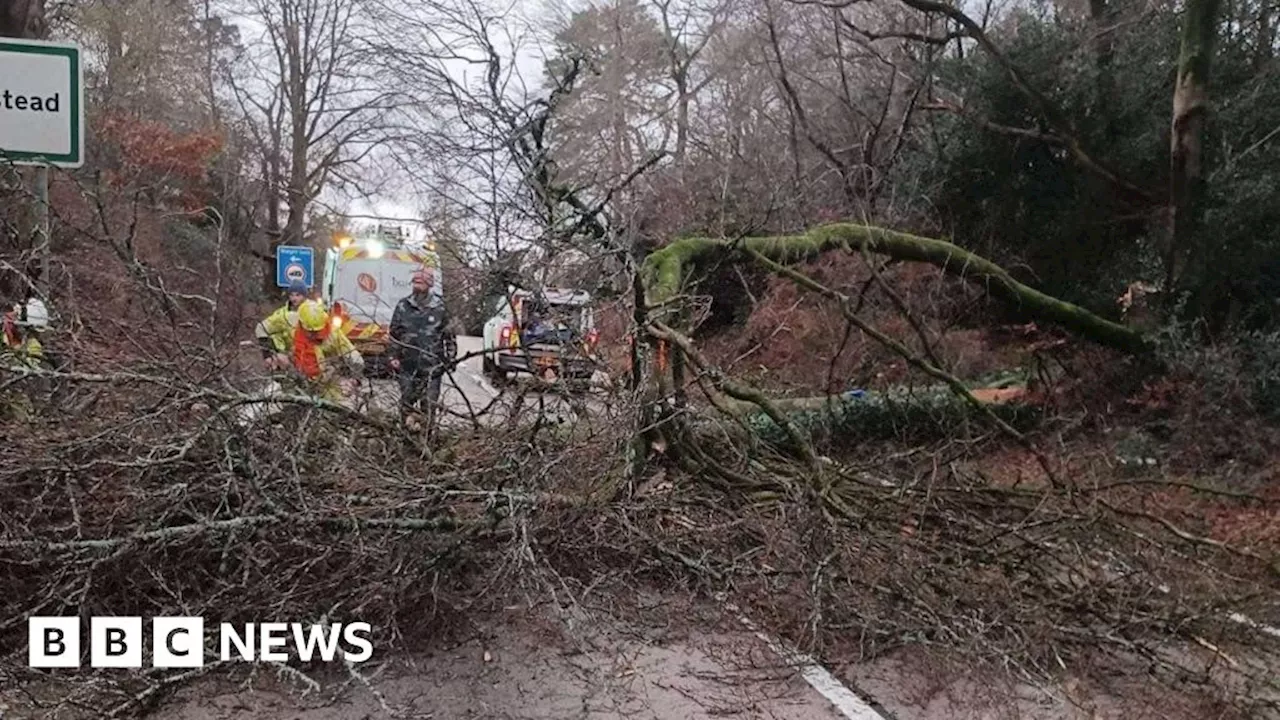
467	395
465	392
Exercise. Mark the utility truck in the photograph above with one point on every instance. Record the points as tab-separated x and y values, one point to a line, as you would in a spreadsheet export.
550	334
365	276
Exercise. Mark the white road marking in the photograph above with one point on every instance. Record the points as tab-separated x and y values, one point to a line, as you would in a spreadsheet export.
1241	619
819	678
483	384
1264	629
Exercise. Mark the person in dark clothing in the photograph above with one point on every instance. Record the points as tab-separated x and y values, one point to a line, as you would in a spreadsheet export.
423	347
543	327
537	326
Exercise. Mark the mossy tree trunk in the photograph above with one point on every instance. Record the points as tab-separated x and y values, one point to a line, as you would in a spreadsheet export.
666	270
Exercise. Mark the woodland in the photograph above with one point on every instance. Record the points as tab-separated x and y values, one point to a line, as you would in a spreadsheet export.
930	326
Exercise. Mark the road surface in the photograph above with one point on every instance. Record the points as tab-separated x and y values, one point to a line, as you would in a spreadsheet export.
466	394
523	669
531	665
465	391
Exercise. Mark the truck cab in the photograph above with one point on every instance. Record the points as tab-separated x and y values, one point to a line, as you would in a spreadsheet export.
365	276
549	334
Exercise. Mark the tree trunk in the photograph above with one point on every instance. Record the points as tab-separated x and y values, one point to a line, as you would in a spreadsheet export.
916	412
299	190
1190	106
642	381
1103	53
1266	37
274	232
682	127
683	98
667	269
114	41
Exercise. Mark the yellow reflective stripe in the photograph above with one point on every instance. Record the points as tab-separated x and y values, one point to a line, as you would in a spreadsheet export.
361	331
429	259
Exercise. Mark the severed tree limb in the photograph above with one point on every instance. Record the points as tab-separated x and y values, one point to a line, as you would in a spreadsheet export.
196	393
667	269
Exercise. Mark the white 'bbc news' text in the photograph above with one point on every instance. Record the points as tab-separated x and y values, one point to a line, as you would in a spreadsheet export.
179	642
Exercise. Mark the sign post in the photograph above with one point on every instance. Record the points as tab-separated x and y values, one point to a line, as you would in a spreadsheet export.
41	118
294	264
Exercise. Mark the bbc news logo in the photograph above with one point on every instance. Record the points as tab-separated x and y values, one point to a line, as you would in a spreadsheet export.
179	642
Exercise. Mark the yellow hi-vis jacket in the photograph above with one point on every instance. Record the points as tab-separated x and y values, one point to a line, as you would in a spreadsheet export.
28	353
278	328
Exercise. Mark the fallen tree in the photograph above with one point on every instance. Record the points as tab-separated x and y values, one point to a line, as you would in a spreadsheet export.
927	411
152	507
666	270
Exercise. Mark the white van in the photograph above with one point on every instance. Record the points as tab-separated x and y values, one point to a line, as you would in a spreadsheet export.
566	347
364	279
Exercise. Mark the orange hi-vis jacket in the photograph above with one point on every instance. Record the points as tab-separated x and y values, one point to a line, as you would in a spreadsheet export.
315	360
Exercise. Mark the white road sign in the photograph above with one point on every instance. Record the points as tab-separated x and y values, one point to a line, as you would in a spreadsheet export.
41	103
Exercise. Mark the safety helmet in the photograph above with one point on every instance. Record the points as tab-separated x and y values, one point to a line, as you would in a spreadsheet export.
312	316
35	315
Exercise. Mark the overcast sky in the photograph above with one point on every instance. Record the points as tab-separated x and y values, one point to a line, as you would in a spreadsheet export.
529	58
403	204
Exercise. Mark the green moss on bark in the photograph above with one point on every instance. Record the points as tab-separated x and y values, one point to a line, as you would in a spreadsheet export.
666	270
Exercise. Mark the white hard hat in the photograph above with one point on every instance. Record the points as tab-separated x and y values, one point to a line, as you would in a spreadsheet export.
35	315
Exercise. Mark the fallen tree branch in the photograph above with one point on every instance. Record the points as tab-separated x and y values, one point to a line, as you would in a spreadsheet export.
1191	537
166	684
232	524
198	393
668	268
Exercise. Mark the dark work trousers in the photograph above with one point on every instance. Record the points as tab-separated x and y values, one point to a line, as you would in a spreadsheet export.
419	383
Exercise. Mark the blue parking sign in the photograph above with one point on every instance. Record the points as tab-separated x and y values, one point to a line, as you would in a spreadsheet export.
294	264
